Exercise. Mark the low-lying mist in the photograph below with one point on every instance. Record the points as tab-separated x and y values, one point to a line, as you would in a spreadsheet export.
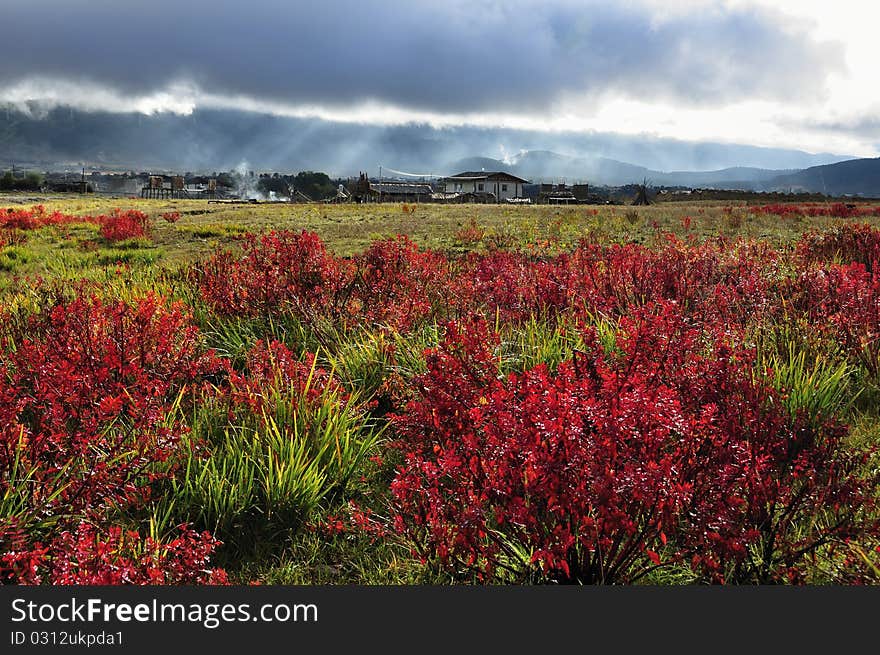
222	140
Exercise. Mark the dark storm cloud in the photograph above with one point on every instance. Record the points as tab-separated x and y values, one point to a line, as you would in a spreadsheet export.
453	56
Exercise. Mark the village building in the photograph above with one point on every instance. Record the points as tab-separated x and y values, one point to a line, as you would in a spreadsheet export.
366	190
496	186
401	192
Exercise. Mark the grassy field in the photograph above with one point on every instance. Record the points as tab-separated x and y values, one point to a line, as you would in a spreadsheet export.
347	229
287	456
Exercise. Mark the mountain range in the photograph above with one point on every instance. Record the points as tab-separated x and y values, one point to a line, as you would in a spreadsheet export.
214	140
859	177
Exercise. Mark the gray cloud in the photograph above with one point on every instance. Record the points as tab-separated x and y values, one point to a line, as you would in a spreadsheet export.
515	56
867	126
860	124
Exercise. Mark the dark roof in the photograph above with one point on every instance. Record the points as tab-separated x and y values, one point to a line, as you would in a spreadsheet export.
499	176
401	188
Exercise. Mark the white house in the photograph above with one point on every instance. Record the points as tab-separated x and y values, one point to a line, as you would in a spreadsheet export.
497	186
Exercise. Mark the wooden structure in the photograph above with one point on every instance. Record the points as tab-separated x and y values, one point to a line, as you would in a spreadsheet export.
581	192
210	190
156	188
341	196
556	194
360	190
400	192
642	195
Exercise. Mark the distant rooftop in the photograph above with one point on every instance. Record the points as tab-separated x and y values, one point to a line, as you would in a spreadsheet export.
401	188
500	176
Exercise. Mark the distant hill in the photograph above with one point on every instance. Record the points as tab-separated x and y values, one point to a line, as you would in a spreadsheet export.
479	164
212	140
543	165
858	177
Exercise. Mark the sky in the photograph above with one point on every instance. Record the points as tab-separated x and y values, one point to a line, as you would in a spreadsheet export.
787	73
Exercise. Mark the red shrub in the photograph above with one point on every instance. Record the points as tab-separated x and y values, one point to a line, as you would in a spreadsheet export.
397	284
122	225
841	303
513	285
393	282
36	217
835	210
90	556
277	273
616	279
171	217
779	209
847	243
471	233
19	219
666	451
86	393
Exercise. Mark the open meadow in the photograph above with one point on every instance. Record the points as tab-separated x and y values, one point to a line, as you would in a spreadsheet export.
679	393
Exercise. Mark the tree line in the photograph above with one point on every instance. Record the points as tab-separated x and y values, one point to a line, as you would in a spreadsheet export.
31	181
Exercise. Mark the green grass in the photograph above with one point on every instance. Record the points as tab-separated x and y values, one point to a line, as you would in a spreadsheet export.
125	254
348	228
820	388
547	341
12	258
255	477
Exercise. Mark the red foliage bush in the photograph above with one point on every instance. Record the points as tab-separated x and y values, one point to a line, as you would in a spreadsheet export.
393	282
122	225
87	389
617	279
471	233
37	217
398	284
840	302
667	448
847	243
119	225
835	210
171	217
86	393
19	219
666	451
277	273
512	285
91	556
